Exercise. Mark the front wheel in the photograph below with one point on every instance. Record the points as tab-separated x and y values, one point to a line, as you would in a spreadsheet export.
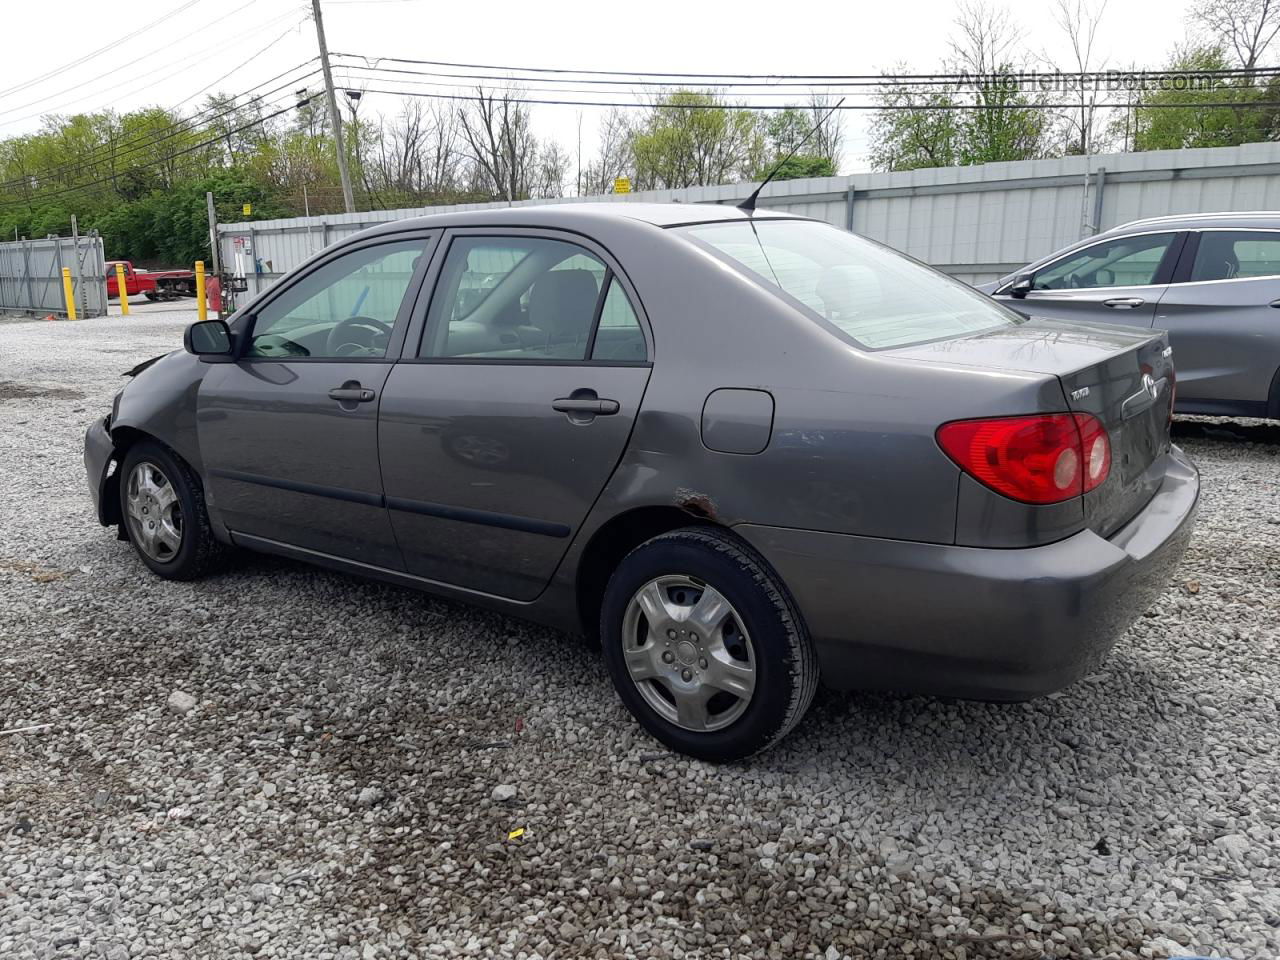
704	645
163	511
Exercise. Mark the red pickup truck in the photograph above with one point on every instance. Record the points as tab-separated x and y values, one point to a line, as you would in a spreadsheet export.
152	284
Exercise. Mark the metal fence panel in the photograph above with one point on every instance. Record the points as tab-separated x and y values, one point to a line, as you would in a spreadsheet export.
976	223
31	276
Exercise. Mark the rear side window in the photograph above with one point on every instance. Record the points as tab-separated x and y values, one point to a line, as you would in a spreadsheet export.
529	299
1236	255
871	295
1124	262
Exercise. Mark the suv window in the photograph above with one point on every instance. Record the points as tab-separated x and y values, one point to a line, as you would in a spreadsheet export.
346	308
1123	262
1236	255
527	298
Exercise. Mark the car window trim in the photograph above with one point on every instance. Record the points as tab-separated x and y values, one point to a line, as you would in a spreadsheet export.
1187	264
418	330
1004	287
430	241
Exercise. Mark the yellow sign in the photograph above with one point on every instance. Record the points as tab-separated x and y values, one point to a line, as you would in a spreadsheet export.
622	185
248	209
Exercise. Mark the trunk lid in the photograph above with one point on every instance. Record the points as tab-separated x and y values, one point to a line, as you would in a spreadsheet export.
1121	375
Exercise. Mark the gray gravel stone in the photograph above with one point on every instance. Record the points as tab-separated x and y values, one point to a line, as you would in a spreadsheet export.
181	703
331	804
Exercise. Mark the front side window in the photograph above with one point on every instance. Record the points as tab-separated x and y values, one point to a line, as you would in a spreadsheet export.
527	298
873	296
345	309
1125	262
1236	255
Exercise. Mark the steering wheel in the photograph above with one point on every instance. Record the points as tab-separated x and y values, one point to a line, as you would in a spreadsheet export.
344	340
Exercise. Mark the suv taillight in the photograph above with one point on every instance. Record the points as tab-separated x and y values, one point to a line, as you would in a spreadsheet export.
1040	458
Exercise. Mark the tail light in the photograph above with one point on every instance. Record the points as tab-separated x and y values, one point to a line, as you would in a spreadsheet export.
1040	458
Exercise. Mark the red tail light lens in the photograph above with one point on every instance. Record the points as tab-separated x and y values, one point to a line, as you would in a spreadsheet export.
1042	458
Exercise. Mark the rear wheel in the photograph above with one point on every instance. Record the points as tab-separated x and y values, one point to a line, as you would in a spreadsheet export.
704	646
163	512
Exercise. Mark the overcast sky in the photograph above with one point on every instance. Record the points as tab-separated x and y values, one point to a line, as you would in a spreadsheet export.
172	62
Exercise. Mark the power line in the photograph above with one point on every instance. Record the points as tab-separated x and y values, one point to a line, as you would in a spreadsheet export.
151	80
162	160
877	81
843	107
97	53
104	153
770	77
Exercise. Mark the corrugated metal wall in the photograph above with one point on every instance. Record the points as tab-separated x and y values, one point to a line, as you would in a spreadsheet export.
976	223
31	276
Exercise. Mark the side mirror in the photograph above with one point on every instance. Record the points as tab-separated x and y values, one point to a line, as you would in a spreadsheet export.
210	340
1022	285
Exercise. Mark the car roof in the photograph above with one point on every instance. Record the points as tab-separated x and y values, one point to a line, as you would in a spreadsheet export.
582	215
1199	221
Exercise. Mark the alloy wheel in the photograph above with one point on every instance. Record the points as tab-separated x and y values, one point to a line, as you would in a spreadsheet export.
154	513
688	653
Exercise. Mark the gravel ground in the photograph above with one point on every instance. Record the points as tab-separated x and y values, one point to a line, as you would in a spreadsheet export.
330	784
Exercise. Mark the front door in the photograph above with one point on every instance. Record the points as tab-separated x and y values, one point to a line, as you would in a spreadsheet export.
289	433
1112	281
497	437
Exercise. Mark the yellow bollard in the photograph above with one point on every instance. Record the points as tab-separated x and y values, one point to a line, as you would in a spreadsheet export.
202	306
122	289
67	294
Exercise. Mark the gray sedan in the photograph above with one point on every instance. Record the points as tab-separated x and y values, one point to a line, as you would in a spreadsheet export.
744	452
1211	280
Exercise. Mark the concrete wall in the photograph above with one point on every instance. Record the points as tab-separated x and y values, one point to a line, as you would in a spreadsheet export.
976	223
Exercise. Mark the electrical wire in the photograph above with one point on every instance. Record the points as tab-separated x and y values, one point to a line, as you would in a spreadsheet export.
155	163
205	117
114	93
26	84
877	82
769	77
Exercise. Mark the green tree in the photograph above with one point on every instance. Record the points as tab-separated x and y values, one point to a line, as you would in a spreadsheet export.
694	138
1157	125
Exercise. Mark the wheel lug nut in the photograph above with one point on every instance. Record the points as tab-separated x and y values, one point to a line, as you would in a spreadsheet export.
671	634
703	663
693	637
686	675
667	656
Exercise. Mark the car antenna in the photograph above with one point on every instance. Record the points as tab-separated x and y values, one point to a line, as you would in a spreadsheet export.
749	204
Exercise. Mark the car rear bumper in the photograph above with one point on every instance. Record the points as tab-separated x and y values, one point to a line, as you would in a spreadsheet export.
98	451
995	624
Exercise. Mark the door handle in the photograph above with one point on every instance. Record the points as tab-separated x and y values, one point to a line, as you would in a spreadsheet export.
594	406
1124	302
351	393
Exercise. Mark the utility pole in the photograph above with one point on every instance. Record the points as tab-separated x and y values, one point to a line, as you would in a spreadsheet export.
335	118
213	236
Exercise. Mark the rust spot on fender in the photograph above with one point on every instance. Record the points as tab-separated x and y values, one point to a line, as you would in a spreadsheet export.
697	504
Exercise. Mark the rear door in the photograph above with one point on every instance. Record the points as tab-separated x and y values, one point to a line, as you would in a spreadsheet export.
289	433
499	429
1223	318
1119	280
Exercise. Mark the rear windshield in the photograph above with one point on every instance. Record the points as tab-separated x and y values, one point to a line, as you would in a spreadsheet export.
871	295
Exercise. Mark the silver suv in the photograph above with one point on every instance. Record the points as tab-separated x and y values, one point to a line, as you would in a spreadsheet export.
1211	280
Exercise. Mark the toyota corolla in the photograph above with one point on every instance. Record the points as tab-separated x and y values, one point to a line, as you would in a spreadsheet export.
747	452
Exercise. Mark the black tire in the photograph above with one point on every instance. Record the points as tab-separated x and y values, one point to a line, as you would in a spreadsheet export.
786	669
198	552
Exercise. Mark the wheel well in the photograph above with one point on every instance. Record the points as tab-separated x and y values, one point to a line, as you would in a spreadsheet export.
1273	401
613	541
122	438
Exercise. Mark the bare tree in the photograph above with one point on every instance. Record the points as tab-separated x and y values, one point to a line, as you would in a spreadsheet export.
1079	21
1247	27
613	158
551	171
500	141
828	139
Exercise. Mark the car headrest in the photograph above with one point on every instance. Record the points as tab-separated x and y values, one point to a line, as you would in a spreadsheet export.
562	303
849	289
